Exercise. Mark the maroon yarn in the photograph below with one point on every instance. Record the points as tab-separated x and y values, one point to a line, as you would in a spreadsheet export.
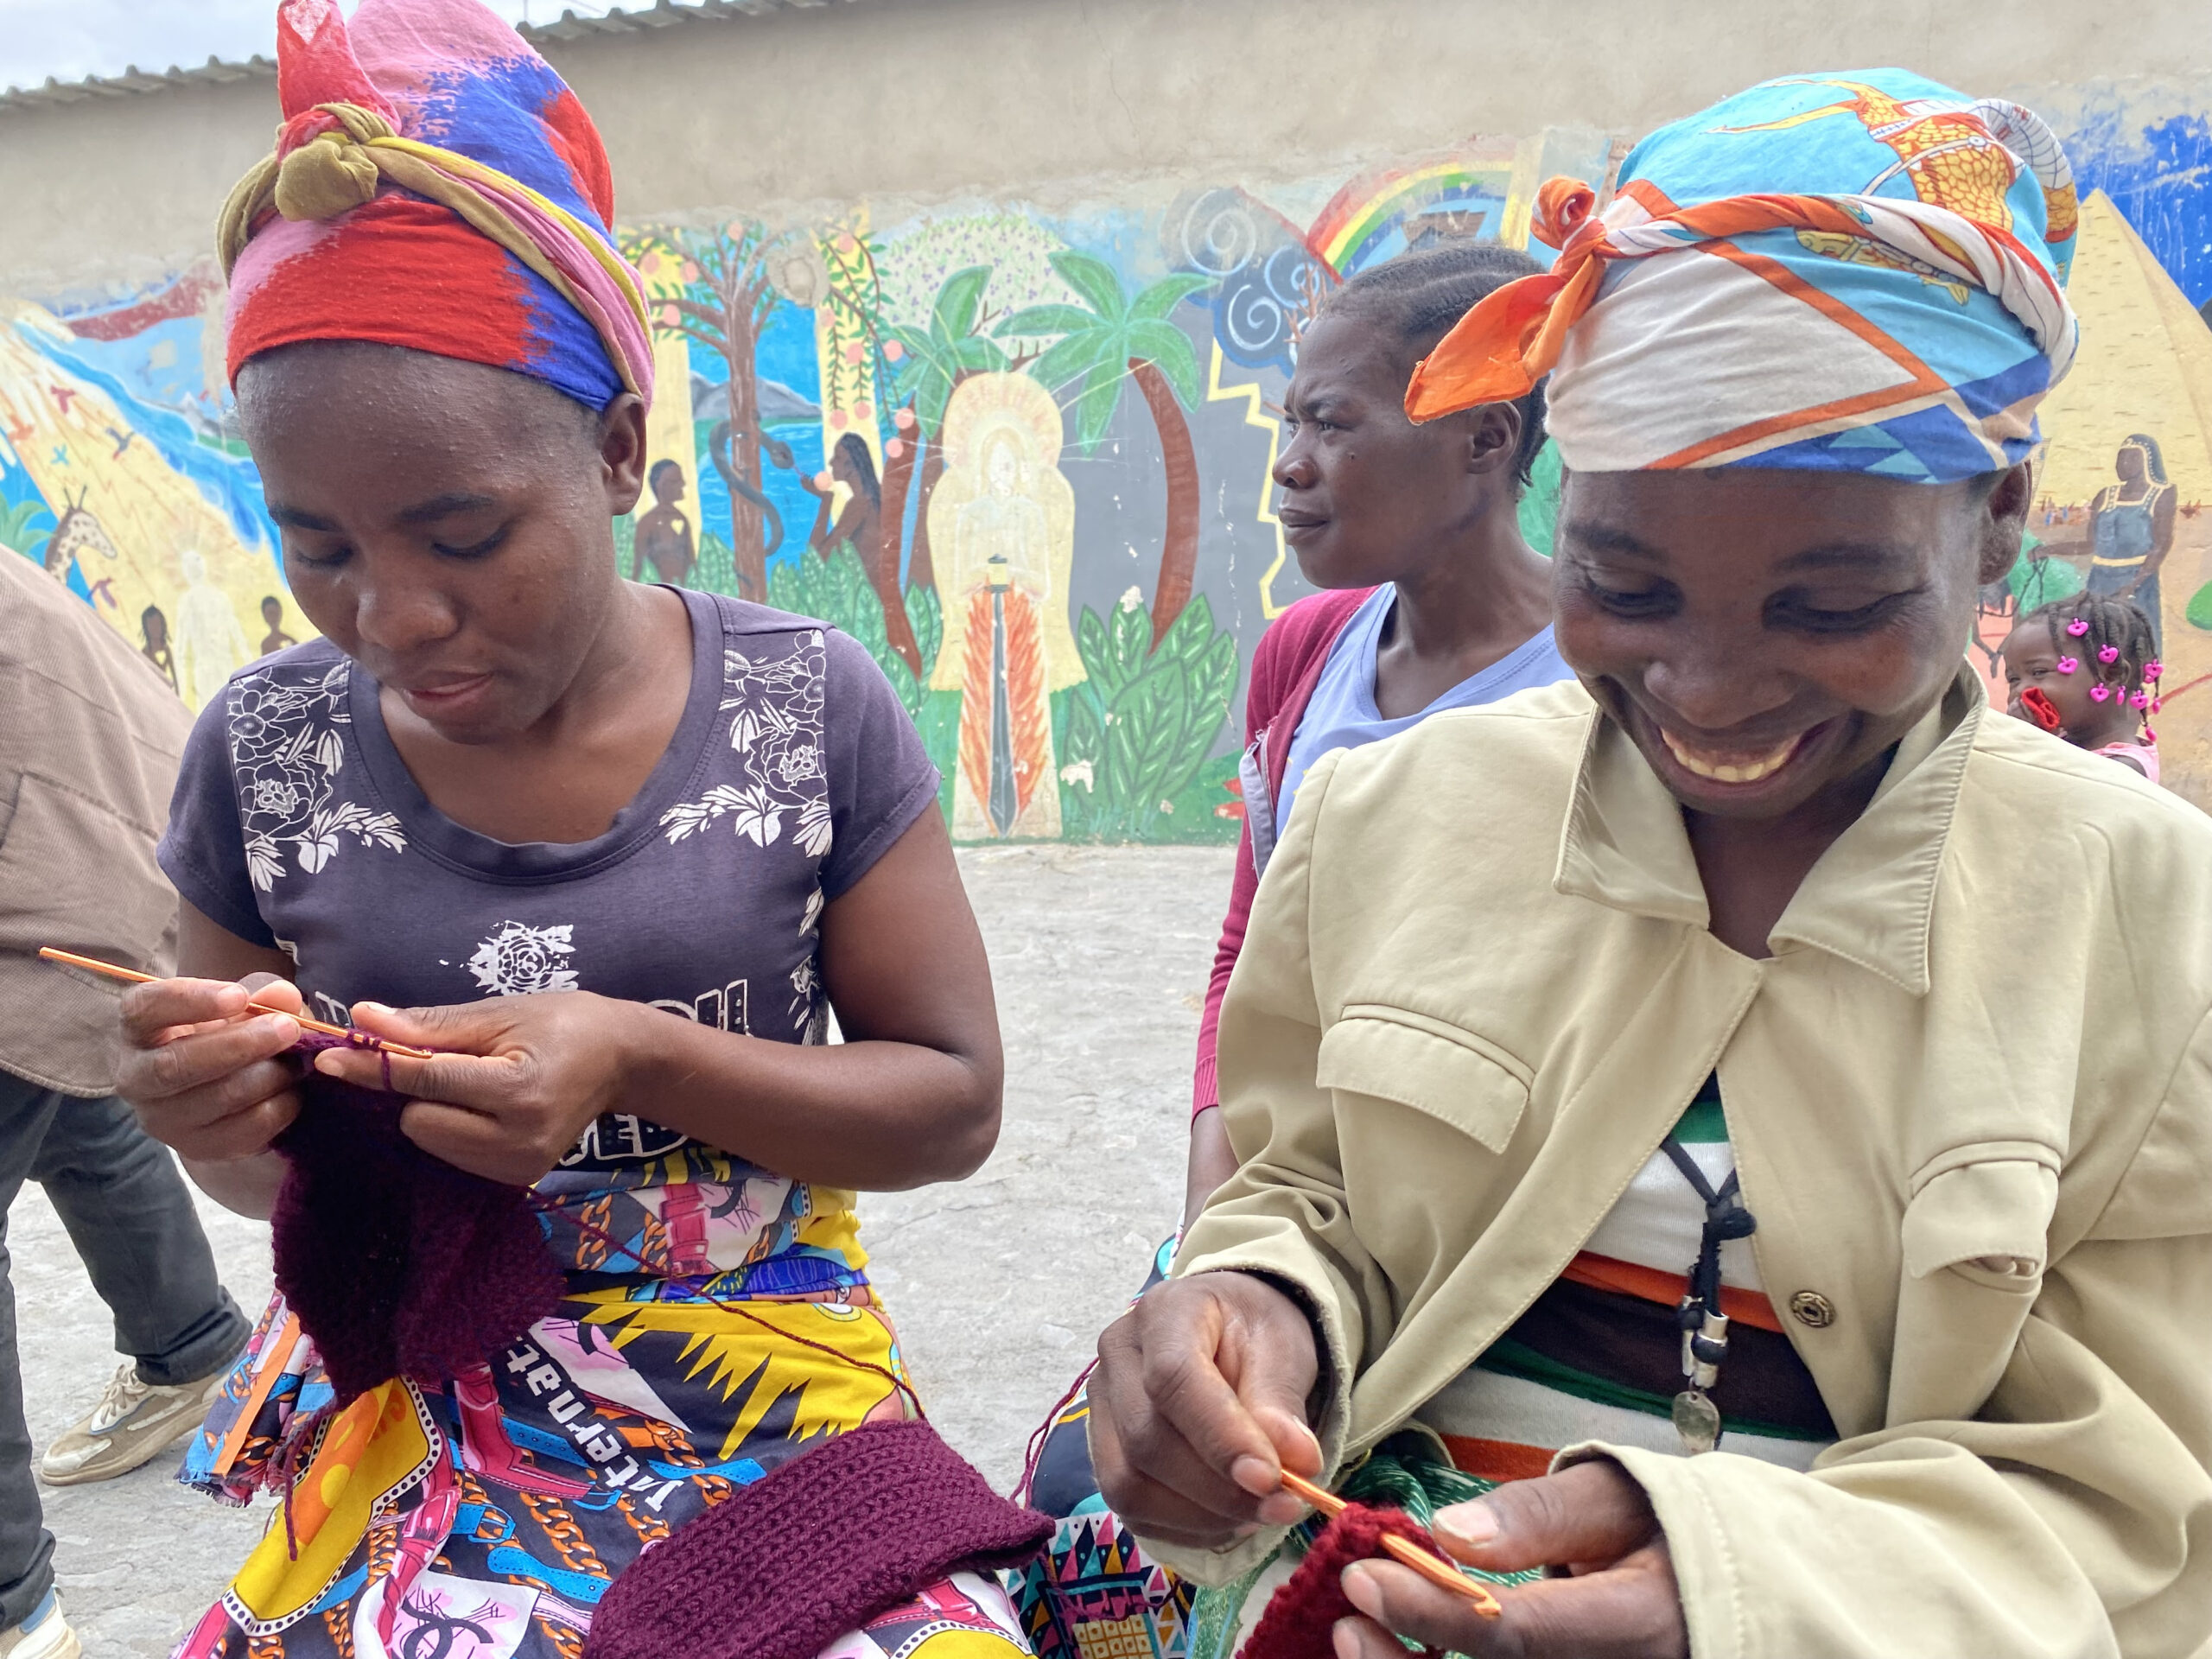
397	1263
816	1548
1301	1616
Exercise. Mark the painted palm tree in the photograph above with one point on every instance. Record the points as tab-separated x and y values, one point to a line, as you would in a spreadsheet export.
1104	343
936	360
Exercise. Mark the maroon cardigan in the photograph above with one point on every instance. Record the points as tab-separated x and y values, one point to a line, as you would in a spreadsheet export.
1286	667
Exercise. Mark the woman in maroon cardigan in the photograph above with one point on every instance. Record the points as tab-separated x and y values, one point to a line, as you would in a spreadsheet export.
1435	601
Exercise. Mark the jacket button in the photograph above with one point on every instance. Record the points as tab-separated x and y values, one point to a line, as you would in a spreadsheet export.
1814	1309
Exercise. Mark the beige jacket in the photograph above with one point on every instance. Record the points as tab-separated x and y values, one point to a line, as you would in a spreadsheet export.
1970	1096
90	735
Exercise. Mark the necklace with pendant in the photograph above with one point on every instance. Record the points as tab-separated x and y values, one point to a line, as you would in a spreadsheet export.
1704	1327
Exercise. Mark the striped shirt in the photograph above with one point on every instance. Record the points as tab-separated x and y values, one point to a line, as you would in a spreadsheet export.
1597	1356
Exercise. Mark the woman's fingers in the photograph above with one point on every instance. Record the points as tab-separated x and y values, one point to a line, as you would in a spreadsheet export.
210	1057
474	1142
1630	1610
1592	1513
1199	1398
151	1010
243	1133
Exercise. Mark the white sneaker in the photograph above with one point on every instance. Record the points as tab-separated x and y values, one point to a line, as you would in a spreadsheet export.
44	1635
134	1422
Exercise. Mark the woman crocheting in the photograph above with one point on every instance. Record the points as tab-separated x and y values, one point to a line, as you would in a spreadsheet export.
621	848
1676	1137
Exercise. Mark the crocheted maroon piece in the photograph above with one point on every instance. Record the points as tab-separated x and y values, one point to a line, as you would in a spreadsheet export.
817	1547
1301	1615
397	1263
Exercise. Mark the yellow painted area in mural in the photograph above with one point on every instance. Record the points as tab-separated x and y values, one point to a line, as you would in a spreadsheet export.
844	348
1002	530
2133	374
143	535
1256	414
2145	367
1521	189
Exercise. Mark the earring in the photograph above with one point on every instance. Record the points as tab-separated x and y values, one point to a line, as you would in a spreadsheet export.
2109	654
2077	627
2068	664
2099	693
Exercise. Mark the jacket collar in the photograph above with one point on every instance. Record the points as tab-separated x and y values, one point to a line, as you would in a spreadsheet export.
1870	898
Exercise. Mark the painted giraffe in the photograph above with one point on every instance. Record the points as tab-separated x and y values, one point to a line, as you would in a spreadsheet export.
75	533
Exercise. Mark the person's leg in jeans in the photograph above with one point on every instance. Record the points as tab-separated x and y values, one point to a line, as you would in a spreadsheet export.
26	1547
129	1214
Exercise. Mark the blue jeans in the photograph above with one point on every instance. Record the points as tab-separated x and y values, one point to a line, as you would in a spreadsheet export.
129	1215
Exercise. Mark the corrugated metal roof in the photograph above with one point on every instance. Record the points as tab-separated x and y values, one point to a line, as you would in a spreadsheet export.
568	27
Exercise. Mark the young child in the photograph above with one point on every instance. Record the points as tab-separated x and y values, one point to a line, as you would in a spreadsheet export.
2083	669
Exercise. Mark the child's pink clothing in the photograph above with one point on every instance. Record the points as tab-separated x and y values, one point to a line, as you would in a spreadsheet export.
2141	753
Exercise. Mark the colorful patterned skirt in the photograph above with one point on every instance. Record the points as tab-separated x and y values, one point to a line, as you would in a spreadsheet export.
485	1520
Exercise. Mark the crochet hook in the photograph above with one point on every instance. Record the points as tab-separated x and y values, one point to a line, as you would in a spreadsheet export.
1435	1569
359	1039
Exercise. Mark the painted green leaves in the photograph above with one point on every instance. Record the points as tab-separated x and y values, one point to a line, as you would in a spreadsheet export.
1100	340
1142	723
937	356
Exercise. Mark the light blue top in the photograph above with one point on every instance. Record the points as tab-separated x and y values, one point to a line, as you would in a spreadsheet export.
1342	715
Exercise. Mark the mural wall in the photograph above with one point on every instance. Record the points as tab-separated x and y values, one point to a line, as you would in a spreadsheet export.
1025	457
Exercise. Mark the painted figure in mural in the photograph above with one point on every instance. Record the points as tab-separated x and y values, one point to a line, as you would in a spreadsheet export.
272	618
1007	514
664	534
860	525
2131	527
583	828
1639	1070
153	629
208	641
1435	602
2086	670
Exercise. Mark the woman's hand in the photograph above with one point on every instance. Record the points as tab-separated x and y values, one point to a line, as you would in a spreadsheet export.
207	1075
1197	1405
1620	1602
527	1075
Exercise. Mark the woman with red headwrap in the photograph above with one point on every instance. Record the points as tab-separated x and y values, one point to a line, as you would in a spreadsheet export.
611	852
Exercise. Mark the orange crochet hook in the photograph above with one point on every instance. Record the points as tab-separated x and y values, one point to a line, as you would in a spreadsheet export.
1435	1568
360	1039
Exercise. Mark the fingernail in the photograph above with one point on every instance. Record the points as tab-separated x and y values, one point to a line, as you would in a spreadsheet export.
1359	1589
1255	1476
1344	1640
1471	1523
327	1063
370	1008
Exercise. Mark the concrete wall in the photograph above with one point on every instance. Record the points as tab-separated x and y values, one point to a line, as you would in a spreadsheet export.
889	179
905	103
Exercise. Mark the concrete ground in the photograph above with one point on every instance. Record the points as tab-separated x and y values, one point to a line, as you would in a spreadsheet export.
999	1285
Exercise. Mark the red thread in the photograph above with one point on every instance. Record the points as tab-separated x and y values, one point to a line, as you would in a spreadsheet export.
1302	1615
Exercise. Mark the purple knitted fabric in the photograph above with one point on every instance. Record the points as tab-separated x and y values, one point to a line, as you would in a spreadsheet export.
825	1543
397	1263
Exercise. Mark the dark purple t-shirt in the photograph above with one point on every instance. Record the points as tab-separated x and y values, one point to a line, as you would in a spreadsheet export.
296	824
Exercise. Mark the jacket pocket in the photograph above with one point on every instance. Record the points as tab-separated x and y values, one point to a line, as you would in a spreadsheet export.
1461	1080
1985	1214
1975	1243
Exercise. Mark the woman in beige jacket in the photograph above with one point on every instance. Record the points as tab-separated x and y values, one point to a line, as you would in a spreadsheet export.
1756	1103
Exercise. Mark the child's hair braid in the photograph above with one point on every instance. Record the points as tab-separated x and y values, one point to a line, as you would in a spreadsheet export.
2111	636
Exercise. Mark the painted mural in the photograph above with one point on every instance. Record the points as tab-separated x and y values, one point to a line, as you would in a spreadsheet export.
1025	457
